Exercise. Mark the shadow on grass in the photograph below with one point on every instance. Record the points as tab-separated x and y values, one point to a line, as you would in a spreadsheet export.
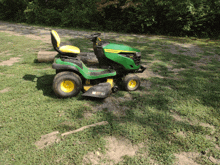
44	83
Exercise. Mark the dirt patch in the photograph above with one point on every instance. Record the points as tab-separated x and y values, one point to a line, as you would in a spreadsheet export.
186	158
213	160
87	115
177	117
184	49
209	126
116	149
208	59
111	104
120	147
175	70
45	38
209	137
67	123
148	72
10	75
217	147
5	53
47	140
53	137
10	62
4	90
156	37
182	134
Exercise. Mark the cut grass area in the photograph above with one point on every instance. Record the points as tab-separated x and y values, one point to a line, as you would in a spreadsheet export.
172	116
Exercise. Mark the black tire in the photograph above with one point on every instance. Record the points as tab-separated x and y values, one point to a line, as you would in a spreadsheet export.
67	84
131	82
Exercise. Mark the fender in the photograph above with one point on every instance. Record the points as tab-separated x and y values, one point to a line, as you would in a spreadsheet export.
64	67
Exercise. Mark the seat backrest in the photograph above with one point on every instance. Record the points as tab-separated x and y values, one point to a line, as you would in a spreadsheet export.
55	39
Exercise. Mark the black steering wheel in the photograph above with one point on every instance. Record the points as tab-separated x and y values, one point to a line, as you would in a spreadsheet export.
94	36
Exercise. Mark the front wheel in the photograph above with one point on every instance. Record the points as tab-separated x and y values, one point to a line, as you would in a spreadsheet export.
131	82
67	84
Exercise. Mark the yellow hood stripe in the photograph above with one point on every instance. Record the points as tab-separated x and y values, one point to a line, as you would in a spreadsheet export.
117	51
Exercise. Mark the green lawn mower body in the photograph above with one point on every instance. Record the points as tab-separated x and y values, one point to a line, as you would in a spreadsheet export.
115	62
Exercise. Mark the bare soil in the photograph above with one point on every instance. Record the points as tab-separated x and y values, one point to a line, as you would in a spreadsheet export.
186	158
10	62
47	140
4	90
116	149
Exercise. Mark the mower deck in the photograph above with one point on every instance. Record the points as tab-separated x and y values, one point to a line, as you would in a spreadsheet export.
102	90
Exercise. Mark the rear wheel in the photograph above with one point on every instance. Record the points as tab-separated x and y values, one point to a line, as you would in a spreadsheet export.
131	82
67	84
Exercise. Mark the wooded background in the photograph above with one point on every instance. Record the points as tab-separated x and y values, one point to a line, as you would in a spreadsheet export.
199	18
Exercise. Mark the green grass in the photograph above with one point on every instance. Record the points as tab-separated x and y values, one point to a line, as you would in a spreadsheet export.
30	108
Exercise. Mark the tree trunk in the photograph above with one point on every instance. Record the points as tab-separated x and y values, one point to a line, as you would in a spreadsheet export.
46	56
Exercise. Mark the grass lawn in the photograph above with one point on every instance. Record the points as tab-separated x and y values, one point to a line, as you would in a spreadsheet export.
178	112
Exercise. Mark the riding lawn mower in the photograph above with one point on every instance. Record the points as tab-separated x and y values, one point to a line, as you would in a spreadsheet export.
117	65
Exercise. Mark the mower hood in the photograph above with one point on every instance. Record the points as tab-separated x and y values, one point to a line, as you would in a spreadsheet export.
118	48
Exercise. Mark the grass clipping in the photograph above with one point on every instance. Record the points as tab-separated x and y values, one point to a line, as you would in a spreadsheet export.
53	137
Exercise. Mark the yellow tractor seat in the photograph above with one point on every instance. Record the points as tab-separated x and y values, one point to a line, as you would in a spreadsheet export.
64	50
69	49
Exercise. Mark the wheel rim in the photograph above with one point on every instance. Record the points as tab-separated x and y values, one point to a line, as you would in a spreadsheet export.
132	83
67	86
